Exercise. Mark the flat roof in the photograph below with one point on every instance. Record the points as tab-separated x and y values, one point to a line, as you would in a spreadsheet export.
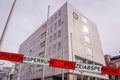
115	57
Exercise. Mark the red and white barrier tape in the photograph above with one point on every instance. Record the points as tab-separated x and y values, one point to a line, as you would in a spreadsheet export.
59	63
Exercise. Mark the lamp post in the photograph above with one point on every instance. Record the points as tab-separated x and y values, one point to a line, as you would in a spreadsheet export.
6	25
45	48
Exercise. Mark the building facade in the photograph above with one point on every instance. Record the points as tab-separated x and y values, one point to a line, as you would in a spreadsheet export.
5	73
113	62
66	35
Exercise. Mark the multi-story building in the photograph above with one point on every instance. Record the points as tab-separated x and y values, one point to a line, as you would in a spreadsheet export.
67	35
113	62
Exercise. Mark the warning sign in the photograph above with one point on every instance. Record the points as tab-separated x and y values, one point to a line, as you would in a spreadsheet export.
62	64
11	56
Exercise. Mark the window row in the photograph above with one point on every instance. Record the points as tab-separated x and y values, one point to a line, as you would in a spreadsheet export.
37	47
54	26
86	37
56	47
54	17
54	36
82	60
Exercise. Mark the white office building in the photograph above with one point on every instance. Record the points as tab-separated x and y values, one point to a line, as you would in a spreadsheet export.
67	35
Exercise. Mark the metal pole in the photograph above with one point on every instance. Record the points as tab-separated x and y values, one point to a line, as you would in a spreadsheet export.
81	76
43	74
6	25
72	54
62	53
72	48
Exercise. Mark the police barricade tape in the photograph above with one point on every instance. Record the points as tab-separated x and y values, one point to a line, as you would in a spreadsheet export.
110	70
60	63
36	60
11	56
88	67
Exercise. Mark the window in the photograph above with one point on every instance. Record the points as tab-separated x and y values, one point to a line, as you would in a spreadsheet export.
41	53
50	49
44	26
90	62
48	21
51	28
59	22
42	44
84	20
43	34
54	48
50	39
87	39
59	33
39	70
55	25
80	60
48	30
59	45
38	65
89	51
52	19
30	51
85	29
55	35
59	13
55	16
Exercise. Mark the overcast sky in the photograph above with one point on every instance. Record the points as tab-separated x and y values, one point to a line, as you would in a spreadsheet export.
28	15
